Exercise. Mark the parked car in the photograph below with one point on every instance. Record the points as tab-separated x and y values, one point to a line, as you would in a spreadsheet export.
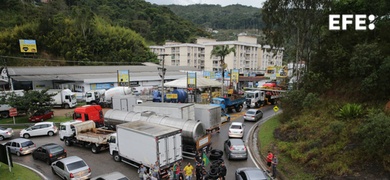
235	149
41	116
49	153
253	115
39	129
21	146
250	173
70	168
111	176
237	130
5	133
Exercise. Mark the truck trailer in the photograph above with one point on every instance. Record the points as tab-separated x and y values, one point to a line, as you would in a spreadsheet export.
175	110
145	143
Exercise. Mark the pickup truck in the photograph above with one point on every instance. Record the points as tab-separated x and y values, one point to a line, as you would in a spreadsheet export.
229	103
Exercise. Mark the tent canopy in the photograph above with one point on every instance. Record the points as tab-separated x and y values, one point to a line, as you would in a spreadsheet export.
201	82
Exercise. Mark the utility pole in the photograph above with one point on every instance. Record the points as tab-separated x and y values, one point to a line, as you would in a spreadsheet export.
161	71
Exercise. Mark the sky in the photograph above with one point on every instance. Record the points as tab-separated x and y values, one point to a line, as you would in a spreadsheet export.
254	3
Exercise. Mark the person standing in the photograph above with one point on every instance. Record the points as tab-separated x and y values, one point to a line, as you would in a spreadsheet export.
188	171
270	156
222	171
274	164
177	170
199	171
171	174
141	171
199	158
155	170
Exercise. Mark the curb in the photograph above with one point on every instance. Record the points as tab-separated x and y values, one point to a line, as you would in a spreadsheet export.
32	169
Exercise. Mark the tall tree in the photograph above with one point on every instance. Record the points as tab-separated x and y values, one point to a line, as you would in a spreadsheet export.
222	52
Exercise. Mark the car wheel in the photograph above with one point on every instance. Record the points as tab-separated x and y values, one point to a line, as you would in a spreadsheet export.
50	133
52	170
228	156
35	158
18	153
5	115
48	161
95	149
1	138
26	136
116	157
66	106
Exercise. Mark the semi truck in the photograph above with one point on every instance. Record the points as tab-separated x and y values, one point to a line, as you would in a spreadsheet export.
160	145
85	134
259	97
104	97
89	112
63	98
194	136
227	104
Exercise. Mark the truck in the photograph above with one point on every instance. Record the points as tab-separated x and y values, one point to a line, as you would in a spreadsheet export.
260	97
89	112
104	97
85	134
4	108
160	145
227	104
194	136
209	116
125	102
175	110
63	98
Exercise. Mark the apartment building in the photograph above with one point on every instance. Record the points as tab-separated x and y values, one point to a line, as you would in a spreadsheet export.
249	56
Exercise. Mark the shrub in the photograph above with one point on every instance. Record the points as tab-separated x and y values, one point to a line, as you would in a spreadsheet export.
350	111
310	101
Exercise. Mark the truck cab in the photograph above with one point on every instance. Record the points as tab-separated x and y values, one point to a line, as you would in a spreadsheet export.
94	96
89	112
67	129
254	99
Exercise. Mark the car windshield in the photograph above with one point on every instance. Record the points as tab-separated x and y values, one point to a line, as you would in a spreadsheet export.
75	165
27	143
56	149
235	127
250	112
88	94
250	95
216	101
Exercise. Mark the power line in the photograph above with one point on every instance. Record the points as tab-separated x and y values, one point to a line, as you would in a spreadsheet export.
68	61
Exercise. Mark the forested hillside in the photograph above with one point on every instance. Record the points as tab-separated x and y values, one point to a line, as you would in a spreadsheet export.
86	32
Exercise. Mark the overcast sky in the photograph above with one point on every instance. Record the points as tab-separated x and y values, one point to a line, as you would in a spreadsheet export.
254	3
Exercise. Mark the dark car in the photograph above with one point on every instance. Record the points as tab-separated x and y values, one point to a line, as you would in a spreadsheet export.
41	116
235	149
49	153
250	173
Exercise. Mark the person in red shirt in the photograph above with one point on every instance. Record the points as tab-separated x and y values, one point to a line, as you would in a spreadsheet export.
270	156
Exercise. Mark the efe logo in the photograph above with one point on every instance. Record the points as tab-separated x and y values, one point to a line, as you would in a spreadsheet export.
359	20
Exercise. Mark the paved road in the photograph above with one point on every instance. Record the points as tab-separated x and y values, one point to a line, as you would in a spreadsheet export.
103	163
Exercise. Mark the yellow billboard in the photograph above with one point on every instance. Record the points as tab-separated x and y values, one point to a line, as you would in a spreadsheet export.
28	46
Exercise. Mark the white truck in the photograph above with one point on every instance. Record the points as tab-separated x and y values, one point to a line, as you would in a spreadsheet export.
85	134
104	97
209	116
259	97
64	98
146	143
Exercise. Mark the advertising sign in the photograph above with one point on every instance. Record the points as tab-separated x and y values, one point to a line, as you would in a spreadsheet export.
235	75
28	46
123	77
191	80
206	74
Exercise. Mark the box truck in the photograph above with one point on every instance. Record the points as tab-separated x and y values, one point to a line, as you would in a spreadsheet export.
209	116
64	98
146	143
176	110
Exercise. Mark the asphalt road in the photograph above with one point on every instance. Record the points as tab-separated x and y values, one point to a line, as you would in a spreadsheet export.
103	163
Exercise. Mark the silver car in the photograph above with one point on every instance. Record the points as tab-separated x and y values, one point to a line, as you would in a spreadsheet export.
235	149
111	176
5	133
71	168
250	173
253	115
21	146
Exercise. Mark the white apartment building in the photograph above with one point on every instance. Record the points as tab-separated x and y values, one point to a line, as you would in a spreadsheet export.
249	56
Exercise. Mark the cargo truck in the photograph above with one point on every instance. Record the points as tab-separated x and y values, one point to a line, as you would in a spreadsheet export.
175	110
104	97
85	134
227	104
209	116
256	97
63	98
146	143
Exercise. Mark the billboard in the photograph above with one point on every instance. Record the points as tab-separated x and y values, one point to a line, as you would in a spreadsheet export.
123	77
28	46
191	80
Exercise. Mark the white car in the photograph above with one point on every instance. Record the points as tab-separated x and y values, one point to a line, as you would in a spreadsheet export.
237	130
71	168
5	133
39	129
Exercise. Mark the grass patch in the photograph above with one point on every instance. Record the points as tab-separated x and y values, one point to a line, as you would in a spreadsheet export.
286	166
24	120
18	172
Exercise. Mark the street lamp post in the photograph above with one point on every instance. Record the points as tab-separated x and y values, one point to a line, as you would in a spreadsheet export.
161	72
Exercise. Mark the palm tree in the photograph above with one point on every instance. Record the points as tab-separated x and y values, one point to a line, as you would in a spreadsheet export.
222	51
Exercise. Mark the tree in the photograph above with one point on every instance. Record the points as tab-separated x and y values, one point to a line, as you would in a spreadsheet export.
31	102
222	52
